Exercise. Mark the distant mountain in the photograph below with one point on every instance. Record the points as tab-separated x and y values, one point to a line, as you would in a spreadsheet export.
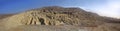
5	15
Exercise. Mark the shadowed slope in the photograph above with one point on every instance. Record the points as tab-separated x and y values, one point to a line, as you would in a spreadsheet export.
5	15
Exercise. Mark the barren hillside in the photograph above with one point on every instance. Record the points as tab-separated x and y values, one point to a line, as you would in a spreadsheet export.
5	15
56	18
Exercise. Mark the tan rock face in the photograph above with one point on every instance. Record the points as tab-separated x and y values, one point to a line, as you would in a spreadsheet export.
58	19
54	16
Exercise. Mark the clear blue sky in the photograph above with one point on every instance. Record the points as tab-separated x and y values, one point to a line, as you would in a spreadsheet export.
13	6
97	6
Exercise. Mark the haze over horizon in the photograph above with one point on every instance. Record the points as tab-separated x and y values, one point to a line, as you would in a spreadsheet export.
109	8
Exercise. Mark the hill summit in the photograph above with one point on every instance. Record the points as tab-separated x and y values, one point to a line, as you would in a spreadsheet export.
55	16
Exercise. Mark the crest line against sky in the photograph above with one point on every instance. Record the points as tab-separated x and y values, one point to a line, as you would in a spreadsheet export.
109	8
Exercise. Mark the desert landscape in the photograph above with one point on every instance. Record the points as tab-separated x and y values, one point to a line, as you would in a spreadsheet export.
57	18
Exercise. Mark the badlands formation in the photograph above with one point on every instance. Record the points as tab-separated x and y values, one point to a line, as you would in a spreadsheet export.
55	18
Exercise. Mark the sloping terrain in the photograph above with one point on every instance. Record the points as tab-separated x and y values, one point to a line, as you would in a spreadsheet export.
56	18
5	15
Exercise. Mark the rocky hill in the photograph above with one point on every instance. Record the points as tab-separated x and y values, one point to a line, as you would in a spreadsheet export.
57	18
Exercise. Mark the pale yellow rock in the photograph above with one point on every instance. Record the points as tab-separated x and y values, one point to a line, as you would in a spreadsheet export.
57	18
53	16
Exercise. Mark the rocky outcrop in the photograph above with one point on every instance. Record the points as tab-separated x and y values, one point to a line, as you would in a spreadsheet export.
55	16
59	18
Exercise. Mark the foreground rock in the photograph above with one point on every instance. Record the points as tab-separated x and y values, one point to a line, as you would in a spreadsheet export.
104	27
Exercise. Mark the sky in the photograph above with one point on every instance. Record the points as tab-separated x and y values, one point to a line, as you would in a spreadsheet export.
109	8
